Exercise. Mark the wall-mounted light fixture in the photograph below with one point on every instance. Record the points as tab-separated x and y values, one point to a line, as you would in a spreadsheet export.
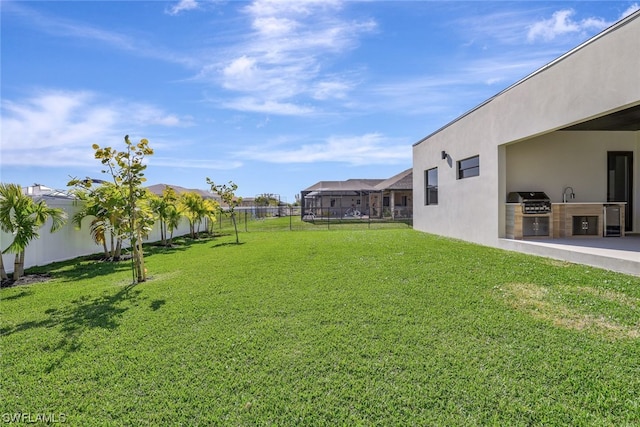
444	154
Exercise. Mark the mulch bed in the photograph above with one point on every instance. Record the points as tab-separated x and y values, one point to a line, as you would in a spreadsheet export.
25	280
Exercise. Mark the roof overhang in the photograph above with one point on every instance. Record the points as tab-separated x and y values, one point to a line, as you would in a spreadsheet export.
624	120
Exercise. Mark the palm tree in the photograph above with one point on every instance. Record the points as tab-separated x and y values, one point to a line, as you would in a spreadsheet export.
98	227
173	221
192	206
22	216
104	204
212	208
163	207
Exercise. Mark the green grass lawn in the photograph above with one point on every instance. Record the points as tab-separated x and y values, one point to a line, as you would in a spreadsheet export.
334	327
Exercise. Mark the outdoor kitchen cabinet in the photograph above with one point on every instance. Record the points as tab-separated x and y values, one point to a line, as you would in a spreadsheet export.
585	225
586	219
524	226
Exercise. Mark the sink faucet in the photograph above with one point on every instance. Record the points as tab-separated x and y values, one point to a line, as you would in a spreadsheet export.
571	194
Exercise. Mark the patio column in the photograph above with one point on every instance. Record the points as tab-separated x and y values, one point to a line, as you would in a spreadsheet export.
392	204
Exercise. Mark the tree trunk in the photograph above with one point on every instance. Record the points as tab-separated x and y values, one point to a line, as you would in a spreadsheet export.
22	263
18	266
118	251
235	226
112	251
142	273
3	272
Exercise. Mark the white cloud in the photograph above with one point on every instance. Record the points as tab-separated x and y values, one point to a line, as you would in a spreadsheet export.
60	27
258	105
371	148
562	23
239	73
181	6
293	7
194	163
272	26
147	115
330	89
282	61
503	26
631	9
57	128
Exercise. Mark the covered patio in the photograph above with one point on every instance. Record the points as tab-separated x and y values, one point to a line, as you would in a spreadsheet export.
615	254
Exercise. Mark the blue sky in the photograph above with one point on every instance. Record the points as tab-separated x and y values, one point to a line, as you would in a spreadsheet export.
273	95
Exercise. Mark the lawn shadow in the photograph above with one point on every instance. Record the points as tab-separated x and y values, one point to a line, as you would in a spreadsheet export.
95	265
217	245
180	244
90	270
158	249
156	304
22	293
82	314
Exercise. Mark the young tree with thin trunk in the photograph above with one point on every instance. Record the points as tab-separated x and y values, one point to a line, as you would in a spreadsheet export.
227	194
127	171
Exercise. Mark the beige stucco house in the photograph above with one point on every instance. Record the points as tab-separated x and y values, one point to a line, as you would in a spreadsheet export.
570	130
358	198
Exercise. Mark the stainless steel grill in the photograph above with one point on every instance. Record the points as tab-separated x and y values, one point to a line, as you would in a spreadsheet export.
533	202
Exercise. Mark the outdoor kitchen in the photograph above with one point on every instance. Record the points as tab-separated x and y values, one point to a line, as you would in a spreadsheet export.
531	214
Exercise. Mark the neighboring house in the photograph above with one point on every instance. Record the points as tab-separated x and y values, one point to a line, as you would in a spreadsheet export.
570	128
39	191
357	198
397	195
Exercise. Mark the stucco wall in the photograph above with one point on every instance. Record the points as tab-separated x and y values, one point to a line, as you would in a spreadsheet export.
578	159
597	79
467	208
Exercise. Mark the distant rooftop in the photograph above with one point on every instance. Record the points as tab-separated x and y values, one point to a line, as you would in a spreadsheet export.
39	190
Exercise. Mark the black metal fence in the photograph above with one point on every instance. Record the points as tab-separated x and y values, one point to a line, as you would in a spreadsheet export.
290	218
398	213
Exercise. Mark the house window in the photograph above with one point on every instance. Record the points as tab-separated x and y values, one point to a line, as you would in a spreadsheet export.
469	167
431	186
333	203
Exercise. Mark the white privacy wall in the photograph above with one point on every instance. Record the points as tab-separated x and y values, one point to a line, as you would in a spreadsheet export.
67	243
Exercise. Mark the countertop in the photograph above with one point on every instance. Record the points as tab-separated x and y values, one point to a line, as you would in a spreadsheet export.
588	203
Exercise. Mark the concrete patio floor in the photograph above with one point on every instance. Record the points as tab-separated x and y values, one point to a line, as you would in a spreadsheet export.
621	254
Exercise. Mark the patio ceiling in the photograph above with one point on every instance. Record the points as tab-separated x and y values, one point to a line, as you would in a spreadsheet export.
625	120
